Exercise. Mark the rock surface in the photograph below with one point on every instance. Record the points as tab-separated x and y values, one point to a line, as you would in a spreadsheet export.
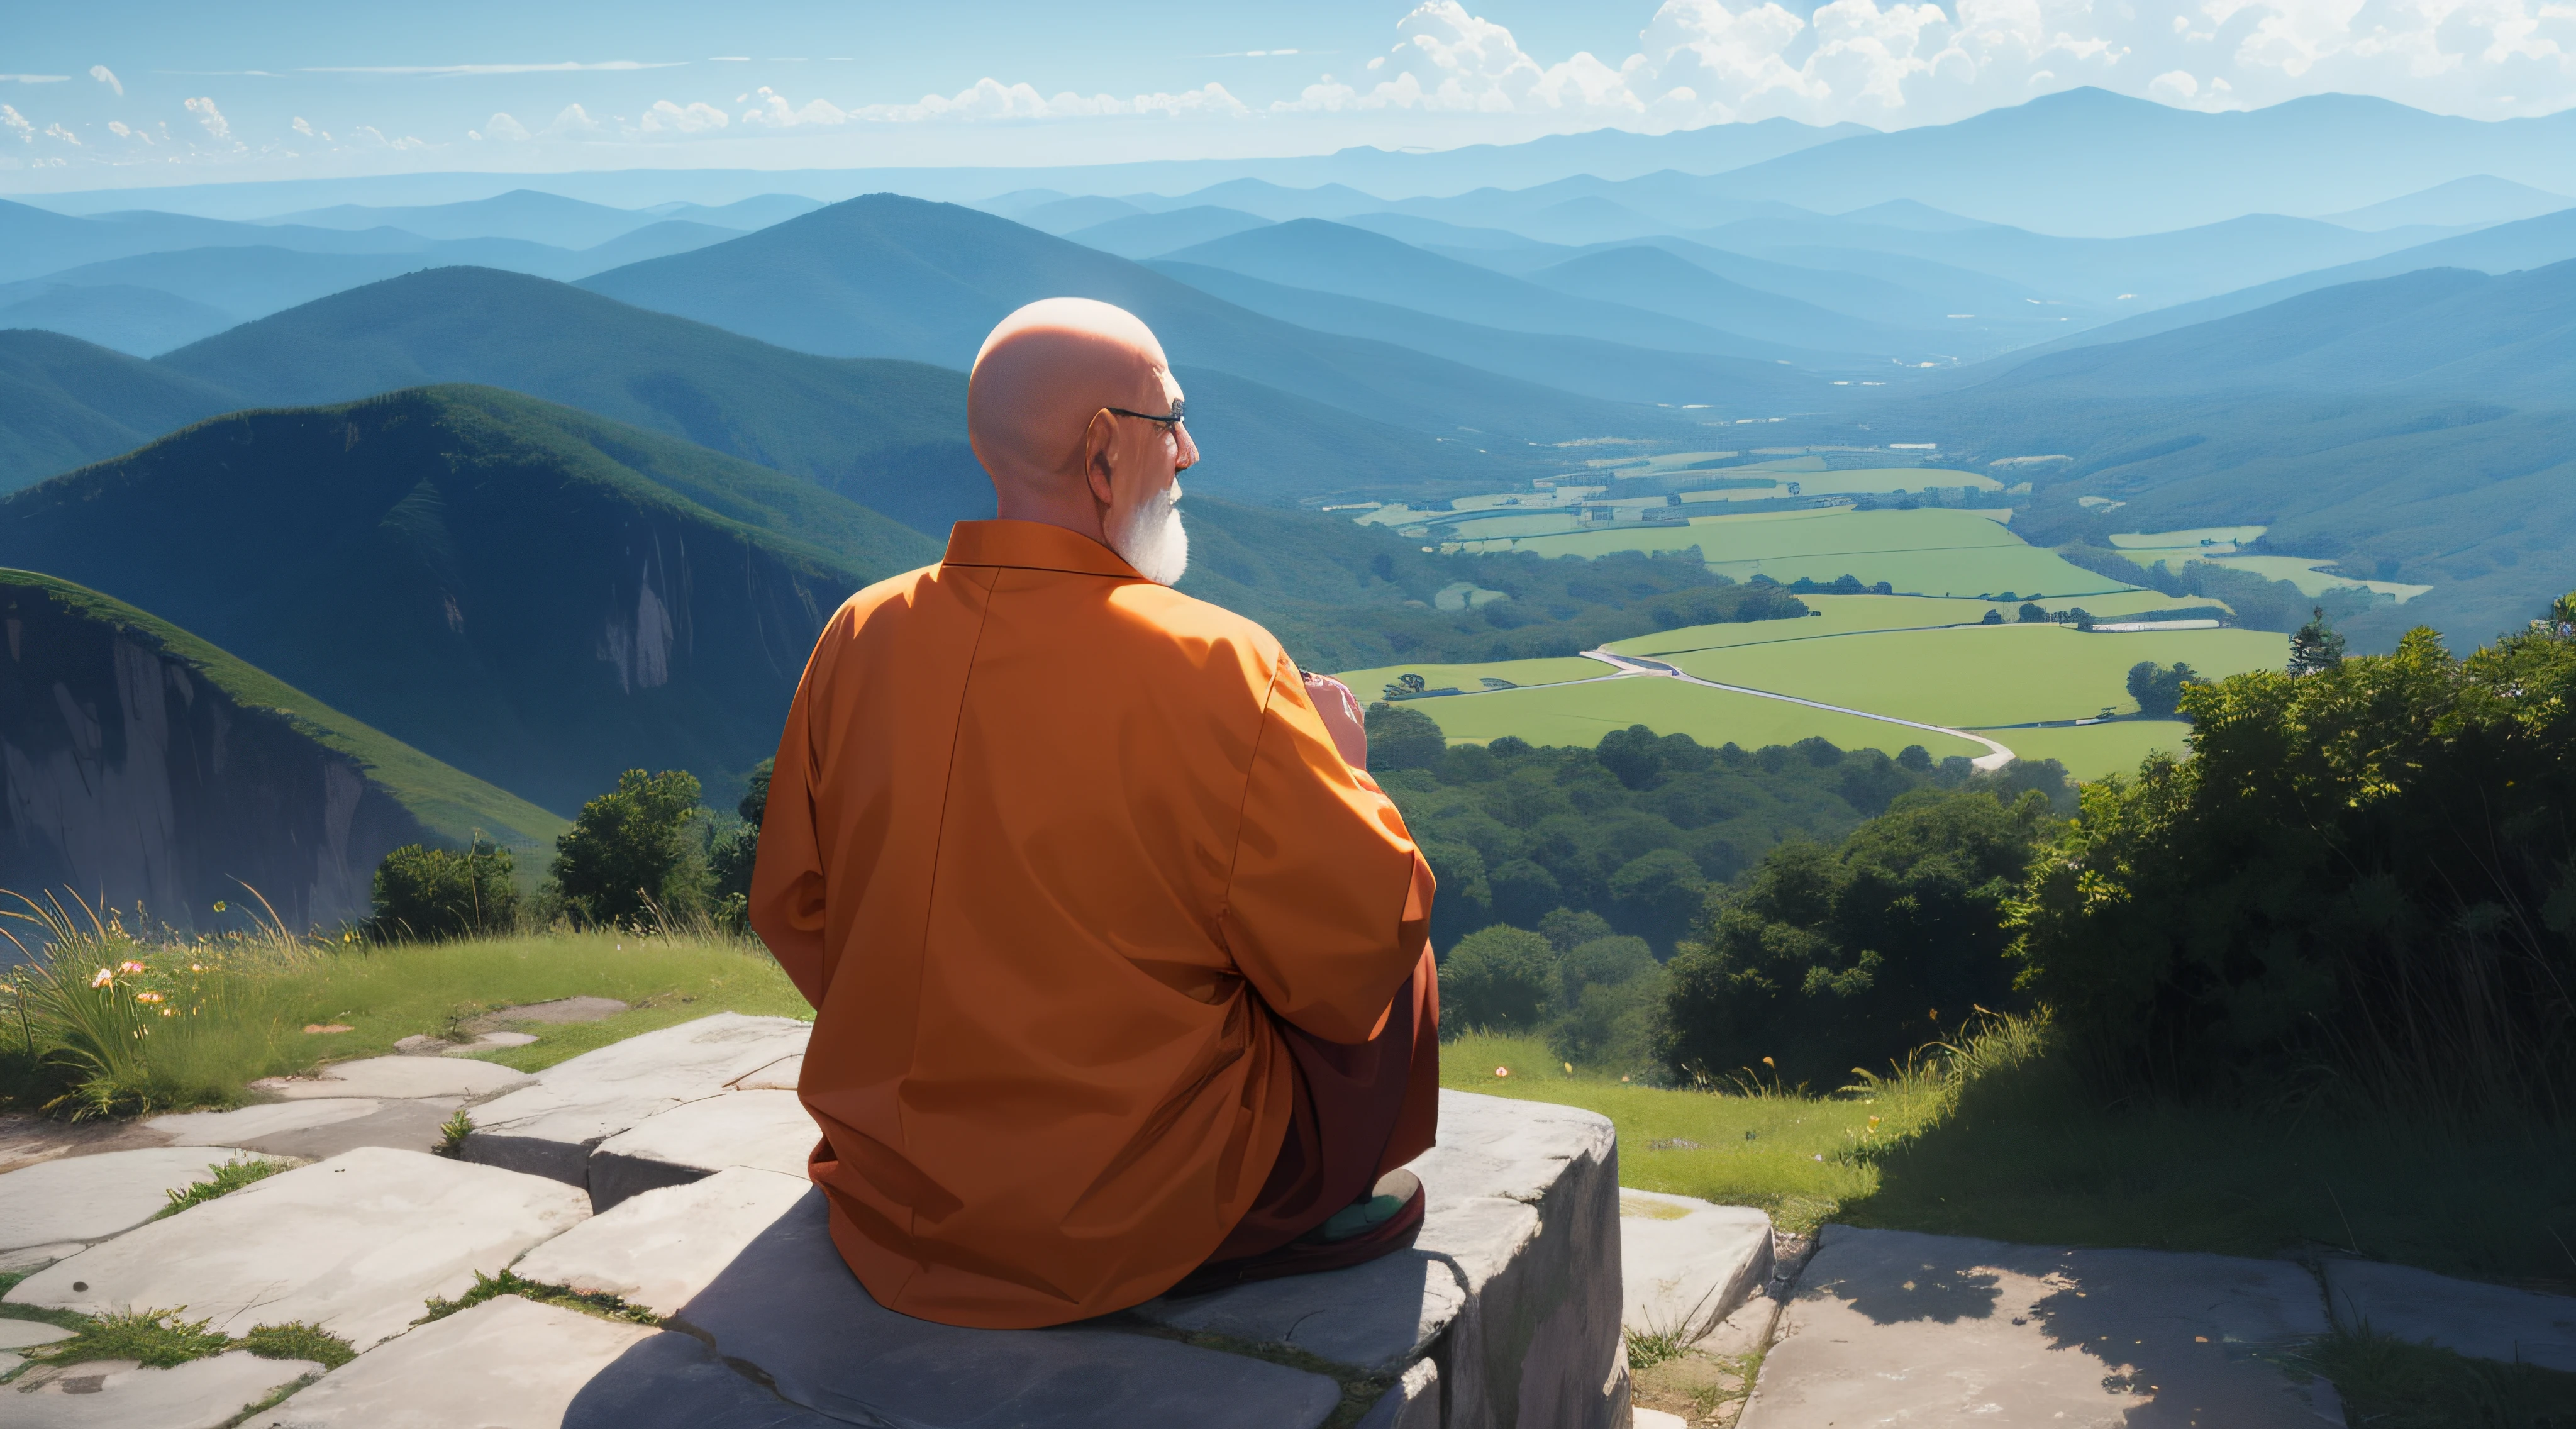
2495	1322
16	1335
508	1363
1412	1402
1374	1319
404	1124
660	1248
1686	1264
1891	1327
400	1077
672	1379
89	1198
242	1126
116	1394
1524	1205
549	1129
789	1311
766	1129
354	1244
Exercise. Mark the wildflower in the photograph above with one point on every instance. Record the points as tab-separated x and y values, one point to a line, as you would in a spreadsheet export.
147	996
129	966
196	967
1774	1066
1502	1071
1569	1069
169	1012
1873	1121
103	978
219	905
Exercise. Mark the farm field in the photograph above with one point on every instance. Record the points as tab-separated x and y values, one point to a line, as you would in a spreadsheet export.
2312	576
1980	677
1367	683
1925	552
2094	750
1869	481
1581	714
2220	541
1847	614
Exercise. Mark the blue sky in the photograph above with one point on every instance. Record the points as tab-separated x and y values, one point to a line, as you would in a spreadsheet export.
156	92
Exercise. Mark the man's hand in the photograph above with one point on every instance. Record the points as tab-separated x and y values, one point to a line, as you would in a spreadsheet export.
1341	715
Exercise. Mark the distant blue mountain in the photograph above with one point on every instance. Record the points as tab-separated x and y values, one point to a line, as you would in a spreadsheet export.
1150	235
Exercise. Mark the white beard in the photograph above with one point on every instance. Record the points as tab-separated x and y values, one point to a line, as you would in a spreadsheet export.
1150	538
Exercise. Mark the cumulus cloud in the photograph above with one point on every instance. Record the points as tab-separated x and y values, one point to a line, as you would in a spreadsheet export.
211	117
500	126
1892	62
16	123
989	98
573	120
107	77
668	118
308	131
118	128
561	66
56	131
370	137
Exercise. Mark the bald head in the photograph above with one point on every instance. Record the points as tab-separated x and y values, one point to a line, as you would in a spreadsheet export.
1043	414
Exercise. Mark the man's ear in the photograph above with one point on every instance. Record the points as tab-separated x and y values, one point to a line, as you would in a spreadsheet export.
1100	457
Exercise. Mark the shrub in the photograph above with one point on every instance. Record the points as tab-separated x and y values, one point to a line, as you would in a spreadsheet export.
1497	979
425	894
2158	688
1829	959
732	855
1657	896
631	855
2364	876
1399	738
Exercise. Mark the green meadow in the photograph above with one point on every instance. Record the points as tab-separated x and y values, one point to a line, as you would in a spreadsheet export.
1981	676
1871	481
1580	714
2095	750
1923	552
1367	683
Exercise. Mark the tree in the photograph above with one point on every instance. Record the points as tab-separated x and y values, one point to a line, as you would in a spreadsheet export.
424	894
2033	613
1657	896
1831	958
1633	754
732	855
1992	617
1497	979
2158	689
2316	646
1399	738
633	851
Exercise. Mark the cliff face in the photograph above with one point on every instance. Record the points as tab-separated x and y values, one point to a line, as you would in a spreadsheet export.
128	775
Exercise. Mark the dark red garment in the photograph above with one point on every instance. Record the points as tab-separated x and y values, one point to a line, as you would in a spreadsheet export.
1362	1110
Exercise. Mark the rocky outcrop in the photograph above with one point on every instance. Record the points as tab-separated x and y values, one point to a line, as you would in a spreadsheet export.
130	776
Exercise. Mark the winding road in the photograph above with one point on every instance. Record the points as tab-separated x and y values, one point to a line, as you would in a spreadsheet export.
1995	757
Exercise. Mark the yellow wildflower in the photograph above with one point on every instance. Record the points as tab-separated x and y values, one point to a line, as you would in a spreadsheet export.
147	996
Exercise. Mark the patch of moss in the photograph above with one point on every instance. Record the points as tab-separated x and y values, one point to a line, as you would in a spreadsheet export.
296	1340
508	1282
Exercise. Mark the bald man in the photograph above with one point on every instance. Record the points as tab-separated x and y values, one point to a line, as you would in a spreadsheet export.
1116	952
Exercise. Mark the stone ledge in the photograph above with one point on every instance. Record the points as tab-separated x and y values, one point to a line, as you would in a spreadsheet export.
549	1129
769	1130
505	1363
2495	1322
1687	1264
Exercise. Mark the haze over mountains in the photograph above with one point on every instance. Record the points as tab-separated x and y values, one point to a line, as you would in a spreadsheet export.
546	483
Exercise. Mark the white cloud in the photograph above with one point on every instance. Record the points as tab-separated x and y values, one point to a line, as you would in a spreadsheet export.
989	98
56	131
573	120
107	77
308	131
668	118
35	78
561	67
773	111
211	117
371	137
118	128
502	126
16	123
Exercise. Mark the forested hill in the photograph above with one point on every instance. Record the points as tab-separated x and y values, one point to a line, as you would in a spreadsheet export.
532	594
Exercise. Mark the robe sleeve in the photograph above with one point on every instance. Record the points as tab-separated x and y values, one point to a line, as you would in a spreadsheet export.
787	879
1329	901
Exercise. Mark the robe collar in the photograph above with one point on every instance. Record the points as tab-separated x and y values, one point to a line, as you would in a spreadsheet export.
1033	545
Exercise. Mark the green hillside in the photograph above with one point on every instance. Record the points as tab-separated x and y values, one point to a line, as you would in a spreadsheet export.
536	596
64	402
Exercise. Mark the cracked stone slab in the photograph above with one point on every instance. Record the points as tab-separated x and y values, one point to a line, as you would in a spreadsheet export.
672	1379
400	1077
789	1307
118	1394
354	1244
508	1363
404	1124
660	1248
550	1128
2493	1322
560	1011
80	1199
243	1125
767	1129
778	1076
16	1335
1891	1327
1374	1318
1686	1264
1523	1203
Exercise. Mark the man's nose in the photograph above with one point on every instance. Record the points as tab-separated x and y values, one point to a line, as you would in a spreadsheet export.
1189	450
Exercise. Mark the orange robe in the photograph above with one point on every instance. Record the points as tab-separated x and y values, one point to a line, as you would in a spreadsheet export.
1039	831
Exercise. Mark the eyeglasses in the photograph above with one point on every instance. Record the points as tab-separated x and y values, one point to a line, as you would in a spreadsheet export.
1169	421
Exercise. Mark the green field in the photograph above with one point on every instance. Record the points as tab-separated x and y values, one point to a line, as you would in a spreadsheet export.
2094	750
1926	552
1367	683
1581	714
1980	676
2308	576
1873	481
2162	542
1846	614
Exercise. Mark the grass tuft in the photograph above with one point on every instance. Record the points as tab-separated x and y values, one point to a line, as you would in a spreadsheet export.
2387	1383
508	1282
225	1178
296	1340
156	1339
452	1133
